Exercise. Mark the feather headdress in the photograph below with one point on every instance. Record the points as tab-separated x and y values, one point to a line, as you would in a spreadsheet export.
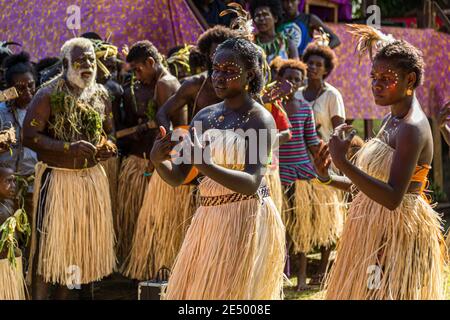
323	38
243	22
369	38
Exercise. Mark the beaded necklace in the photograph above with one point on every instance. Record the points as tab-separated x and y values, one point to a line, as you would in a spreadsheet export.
215	122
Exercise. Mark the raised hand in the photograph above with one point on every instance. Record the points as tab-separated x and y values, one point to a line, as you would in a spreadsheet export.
339	143
322	161
197	149
279	90
161	148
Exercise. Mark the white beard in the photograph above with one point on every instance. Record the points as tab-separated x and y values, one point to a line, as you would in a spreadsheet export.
75	78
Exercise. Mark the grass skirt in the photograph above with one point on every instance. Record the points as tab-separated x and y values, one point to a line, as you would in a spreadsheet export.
12	283
276	192
77	231
132	186
160	229
386	254
112	167
316	218
231	251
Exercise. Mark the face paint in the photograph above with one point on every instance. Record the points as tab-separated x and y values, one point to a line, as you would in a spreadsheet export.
76	65
34	123
66	146
77	75
229	75
393	83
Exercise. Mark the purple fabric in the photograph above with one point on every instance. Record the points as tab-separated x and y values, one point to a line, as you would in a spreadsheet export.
353	81
41	25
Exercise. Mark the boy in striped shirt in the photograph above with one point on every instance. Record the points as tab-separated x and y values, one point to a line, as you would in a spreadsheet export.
296	168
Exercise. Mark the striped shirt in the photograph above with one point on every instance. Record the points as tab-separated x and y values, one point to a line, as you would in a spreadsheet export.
295	162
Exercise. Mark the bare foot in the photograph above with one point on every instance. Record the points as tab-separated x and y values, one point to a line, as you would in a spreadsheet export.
317	279
303	287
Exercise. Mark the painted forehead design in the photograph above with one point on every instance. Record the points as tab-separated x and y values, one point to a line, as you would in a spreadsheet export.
232	64
228	64
390	71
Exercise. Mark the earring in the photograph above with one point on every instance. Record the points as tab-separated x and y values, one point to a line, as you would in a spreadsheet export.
246	87
409	92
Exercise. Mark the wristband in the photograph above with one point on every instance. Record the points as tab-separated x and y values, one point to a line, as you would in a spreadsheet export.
324	182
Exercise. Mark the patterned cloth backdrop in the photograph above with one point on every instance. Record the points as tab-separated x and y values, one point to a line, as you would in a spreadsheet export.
41	25
353	79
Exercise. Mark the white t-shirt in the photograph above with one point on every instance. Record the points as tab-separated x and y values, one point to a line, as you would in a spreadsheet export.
327	106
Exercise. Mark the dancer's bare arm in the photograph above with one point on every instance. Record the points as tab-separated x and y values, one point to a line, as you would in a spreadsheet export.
409	145
177	103
322	162
248	180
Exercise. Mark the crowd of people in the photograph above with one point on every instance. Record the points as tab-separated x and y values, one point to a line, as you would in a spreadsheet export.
100	169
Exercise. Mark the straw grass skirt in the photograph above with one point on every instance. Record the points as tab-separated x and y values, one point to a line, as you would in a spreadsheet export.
276	191
112	168
386	254
76	230
160	229
132	186
316	217
231	251
12	283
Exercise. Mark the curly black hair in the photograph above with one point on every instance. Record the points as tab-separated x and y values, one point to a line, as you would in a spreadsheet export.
17	64
405	56
197	60
274	5
325	52
142	50
252	58
217	34
283	65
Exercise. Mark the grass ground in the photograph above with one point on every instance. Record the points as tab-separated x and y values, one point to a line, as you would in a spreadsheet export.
290	293
116	287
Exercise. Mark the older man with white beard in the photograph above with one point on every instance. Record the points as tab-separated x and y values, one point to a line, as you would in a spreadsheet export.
67	125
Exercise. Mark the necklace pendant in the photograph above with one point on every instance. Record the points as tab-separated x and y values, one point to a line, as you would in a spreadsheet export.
221	118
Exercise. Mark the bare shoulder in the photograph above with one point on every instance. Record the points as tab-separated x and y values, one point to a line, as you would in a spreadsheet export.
41	97
207	110
168	82
261	117
195	81
43	92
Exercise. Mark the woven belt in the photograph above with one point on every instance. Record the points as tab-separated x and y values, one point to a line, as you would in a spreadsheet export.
262	192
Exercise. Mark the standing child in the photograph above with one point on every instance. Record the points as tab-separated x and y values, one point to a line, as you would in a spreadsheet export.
11	274
305	221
